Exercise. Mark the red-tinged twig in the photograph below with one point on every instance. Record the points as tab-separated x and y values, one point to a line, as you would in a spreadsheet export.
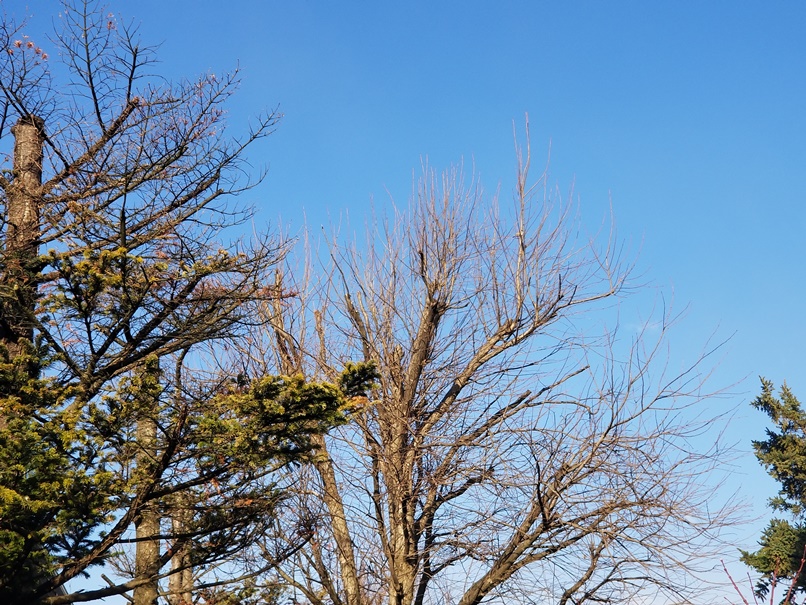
750	583
735	585
773	584
797	575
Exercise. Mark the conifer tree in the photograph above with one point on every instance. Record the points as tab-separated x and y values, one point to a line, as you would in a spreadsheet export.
783	455
124	441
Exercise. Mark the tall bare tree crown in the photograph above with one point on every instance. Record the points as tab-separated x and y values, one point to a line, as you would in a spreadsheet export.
510	451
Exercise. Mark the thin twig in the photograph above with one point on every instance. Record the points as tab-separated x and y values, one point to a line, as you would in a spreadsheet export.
732	581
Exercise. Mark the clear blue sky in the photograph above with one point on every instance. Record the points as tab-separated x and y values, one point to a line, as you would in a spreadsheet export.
690	116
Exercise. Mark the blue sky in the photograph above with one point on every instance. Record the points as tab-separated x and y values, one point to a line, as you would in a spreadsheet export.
689	116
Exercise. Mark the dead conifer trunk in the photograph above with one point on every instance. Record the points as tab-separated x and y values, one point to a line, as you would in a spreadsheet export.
22	234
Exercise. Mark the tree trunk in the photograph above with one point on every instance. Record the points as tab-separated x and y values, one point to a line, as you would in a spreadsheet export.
180	584
22	234
338	518
147	554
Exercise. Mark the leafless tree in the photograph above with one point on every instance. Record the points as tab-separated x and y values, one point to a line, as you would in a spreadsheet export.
514	449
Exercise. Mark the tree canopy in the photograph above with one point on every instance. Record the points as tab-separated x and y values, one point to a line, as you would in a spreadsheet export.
515	449
125	441
783	454
167	386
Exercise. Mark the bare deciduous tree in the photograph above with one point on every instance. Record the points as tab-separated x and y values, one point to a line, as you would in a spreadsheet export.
513	447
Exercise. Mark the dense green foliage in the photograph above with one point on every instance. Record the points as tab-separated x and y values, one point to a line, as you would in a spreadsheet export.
783	454
71	478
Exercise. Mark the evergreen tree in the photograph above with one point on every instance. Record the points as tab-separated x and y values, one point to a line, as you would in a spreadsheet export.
125	440
783	454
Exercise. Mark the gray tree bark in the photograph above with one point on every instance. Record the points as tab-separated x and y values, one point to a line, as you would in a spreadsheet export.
180	584
22	234
147	527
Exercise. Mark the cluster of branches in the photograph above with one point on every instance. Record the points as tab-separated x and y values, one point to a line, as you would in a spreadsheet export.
116	288
512	450
499	446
